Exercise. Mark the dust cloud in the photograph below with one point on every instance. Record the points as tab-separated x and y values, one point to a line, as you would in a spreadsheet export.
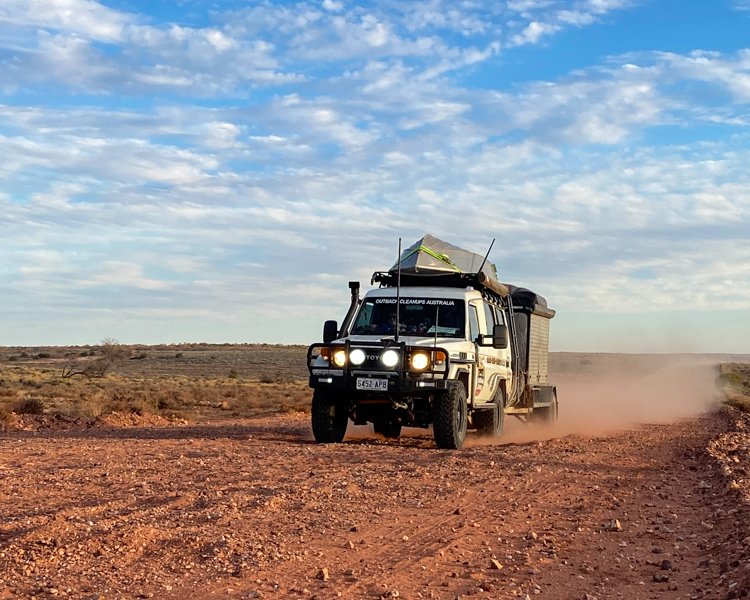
603	393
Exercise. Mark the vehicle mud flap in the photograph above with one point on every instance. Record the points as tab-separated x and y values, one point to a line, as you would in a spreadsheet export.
329	418
450	417
546	415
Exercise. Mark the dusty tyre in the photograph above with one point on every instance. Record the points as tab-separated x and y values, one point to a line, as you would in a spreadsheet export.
450	418
490	423
387	429
546	415
329	418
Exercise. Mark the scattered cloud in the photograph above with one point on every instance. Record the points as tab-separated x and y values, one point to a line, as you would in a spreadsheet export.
251	162
533	32
83	17
87	46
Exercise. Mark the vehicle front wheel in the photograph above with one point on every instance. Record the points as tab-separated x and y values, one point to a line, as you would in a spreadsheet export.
450	417
389	429
329	418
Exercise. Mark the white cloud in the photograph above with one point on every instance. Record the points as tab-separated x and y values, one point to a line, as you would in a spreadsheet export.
533	32
59	45
731	72
221	136
84	17
124	274
548	205
322	120
542	18
333	5
599	108
252	47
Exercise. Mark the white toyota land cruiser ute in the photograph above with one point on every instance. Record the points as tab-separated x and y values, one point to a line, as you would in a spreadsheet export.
433	347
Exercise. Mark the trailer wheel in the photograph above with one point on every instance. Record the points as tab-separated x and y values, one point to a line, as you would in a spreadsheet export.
389	429
329	418
450	417
546	415
491	422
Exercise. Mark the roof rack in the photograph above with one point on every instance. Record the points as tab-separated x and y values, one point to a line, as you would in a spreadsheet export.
479	281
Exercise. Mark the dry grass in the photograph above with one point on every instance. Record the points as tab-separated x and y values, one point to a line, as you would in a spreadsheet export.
30	390
251	362
192	381
734	382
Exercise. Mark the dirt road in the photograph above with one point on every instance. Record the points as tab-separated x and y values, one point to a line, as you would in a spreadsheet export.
256	509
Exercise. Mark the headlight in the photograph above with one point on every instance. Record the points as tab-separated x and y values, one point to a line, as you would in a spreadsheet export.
390	358
357	357
420	361
339	358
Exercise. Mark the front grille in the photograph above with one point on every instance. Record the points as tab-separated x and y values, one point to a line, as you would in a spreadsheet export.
372	362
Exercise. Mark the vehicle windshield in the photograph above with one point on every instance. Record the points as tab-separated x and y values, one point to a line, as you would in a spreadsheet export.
418	316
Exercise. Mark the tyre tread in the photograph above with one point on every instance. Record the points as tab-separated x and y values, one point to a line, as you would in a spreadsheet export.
327	428
447	435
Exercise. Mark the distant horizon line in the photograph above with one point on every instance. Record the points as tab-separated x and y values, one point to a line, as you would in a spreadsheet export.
224	344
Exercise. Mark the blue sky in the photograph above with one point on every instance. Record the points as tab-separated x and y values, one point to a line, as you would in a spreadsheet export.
217	171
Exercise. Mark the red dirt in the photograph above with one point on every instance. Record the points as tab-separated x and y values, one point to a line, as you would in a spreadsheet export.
256	509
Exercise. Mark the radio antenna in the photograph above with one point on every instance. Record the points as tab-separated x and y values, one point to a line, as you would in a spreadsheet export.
486	256
437	320
398	293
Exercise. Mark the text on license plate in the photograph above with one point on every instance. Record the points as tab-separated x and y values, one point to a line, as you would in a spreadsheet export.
372	384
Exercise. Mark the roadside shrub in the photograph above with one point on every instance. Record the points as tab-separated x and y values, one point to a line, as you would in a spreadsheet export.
6	411
233	374
29	406
732	380
145	404
735	387
739	401
294	408
90	407
112	353
7	390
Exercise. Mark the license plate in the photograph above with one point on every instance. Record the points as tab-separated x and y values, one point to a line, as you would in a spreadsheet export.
364	383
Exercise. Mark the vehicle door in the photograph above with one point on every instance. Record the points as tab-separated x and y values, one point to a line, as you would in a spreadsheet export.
491	358
485	356
504	356
474	307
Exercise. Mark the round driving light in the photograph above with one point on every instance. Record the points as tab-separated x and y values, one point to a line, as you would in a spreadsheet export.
390	358
420	361
339	358
357	357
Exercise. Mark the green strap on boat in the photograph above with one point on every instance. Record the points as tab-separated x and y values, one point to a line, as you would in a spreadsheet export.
441	257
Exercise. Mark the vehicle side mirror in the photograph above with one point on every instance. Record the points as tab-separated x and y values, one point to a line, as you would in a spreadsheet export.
330	331
500	337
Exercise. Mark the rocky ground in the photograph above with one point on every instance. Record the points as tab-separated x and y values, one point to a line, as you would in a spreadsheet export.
255	509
